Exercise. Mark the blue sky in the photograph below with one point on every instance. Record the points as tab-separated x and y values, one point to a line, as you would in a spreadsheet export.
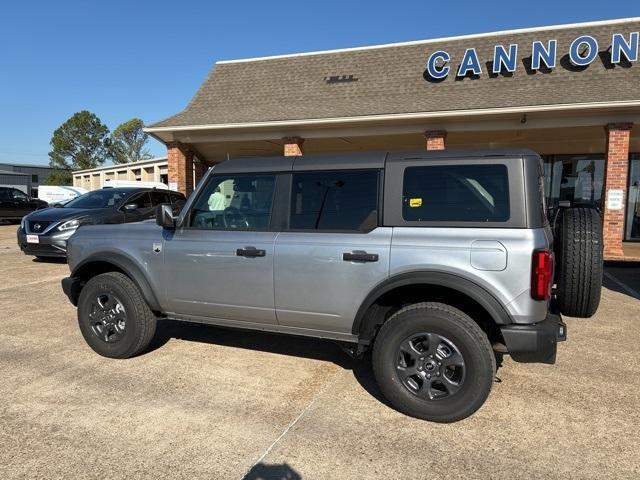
124	59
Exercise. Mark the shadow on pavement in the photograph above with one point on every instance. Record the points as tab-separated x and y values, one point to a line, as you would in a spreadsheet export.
304	347
263	471
49	260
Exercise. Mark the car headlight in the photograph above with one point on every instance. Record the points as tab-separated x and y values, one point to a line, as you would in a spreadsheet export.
23	223
69	225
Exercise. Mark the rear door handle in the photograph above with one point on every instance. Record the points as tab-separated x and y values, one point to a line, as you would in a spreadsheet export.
250	252
359	256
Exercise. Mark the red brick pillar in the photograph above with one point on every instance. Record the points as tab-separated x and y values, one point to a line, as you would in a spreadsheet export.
293	146
435	139
180	166
615	178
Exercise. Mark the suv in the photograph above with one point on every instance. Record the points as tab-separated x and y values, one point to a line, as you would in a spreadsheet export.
45	233
15	204
437	262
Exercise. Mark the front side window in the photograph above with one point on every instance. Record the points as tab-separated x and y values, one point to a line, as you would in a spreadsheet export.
342	200
456	193
235	202
20	196
158	198
142	200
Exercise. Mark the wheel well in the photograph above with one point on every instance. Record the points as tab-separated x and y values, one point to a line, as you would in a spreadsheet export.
390	302
89	270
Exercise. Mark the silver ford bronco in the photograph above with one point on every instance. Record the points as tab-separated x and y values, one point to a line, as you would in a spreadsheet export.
438	263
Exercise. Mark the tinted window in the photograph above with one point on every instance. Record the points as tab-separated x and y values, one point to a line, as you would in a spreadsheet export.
158	198
344	200
97	199
19	196
4	194
143	200
456	193
235	202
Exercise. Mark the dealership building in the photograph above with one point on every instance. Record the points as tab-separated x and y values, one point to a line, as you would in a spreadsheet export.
569	92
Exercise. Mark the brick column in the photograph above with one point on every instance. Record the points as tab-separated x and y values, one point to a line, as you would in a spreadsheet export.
293	146
615	177
435	139
180	166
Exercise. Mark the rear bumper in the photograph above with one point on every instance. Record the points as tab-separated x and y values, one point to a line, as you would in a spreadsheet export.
536	343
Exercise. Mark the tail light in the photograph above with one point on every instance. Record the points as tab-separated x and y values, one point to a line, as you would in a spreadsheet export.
541	275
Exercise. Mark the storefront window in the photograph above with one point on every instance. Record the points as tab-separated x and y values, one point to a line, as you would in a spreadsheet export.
574	180
632	226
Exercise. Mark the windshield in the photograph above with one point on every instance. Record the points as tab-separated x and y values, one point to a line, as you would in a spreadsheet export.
97	199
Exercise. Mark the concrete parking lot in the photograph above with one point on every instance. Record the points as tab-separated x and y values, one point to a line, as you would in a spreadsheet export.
212	403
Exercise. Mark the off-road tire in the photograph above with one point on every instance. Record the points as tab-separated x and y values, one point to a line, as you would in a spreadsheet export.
449	322
579	261
140	320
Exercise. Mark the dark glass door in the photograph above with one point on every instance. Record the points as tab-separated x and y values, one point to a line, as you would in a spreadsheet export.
632	227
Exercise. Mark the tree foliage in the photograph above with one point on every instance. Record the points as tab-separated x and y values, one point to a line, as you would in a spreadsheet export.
128	142
60	176
79	143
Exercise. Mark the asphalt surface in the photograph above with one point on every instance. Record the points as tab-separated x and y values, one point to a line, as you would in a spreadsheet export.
216	404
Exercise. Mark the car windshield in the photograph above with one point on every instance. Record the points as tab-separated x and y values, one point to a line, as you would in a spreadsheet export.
97	199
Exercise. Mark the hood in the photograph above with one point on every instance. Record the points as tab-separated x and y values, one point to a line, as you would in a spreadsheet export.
52	214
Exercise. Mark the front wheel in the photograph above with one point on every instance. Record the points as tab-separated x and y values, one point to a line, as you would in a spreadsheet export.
113	316
433	362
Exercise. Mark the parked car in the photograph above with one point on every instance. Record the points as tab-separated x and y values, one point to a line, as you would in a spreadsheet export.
437	262
45	233
54	194
15	204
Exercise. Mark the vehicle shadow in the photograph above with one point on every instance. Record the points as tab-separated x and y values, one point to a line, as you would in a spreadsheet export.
49	260
304	347
263	471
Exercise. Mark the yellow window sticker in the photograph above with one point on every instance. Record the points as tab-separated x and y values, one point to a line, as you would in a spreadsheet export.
415	202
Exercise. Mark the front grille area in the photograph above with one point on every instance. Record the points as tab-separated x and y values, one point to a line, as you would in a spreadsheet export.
32	226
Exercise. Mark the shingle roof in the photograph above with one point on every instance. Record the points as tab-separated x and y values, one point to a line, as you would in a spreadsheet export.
390	80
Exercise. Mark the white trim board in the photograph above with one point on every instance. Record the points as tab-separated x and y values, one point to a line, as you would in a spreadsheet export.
399	116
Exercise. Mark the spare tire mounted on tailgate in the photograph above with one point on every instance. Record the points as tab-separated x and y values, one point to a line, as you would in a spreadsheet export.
579	261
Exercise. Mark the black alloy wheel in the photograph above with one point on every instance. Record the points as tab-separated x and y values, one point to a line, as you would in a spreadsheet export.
430	366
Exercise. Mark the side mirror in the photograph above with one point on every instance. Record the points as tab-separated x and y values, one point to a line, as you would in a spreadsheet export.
130	207
164	216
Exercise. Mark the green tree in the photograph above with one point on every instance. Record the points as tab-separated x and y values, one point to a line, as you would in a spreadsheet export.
60	176
80	142
128	141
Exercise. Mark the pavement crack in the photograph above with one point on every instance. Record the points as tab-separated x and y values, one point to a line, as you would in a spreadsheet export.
293	422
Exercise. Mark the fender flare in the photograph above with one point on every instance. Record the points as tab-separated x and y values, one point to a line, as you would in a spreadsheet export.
499	314
129	268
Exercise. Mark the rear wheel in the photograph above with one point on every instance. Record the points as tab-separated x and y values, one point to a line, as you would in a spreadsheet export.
432	361
579	262
113	316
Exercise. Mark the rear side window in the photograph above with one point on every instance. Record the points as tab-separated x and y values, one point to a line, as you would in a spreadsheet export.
456	193
335	201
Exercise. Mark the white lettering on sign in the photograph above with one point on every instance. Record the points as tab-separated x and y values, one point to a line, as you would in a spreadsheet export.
615	199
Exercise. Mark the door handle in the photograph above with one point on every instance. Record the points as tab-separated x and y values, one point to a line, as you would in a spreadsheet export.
250	252
359	256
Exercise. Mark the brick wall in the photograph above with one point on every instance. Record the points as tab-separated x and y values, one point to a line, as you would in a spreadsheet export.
180	167
435	139
616	168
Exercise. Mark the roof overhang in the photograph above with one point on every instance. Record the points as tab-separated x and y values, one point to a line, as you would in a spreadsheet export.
532	116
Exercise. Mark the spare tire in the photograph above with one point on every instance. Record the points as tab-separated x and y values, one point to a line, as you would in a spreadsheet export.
579	261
